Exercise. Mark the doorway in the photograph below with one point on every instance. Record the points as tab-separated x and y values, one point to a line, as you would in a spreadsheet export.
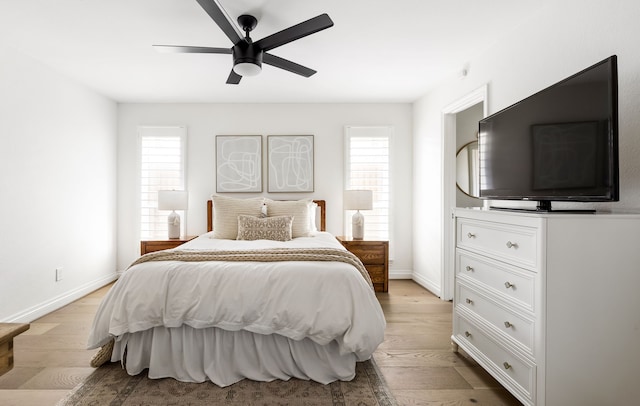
467	160
474	102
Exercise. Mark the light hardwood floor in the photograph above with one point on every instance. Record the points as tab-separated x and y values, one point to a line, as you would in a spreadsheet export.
415	358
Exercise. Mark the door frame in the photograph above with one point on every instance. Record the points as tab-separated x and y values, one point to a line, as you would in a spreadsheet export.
449	182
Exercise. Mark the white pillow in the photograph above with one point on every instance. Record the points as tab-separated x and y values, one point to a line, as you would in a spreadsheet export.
298	209
226	211
313	210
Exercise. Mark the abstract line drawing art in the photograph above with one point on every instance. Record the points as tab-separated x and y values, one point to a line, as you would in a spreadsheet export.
290	163
238	163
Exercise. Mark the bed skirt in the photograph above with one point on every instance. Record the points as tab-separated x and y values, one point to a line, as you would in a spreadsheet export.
226	357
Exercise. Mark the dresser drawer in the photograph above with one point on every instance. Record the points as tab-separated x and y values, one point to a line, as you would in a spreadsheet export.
513	371
504	321
509	282
514	244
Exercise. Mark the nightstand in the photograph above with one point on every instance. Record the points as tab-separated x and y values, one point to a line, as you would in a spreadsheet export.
375	257
8	331
148	246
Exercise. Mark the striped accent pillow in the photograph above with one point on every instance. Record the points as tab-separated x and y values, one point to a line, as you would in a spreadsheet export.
226	211
298	209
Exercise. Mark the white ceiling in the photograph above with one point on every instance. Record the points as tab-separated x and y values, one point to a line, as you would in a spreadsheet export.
377	51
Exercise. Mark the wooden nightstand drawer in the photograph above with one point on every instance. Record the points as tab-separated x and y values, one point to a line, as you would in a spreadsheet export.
375	257
370	253
376	272
159	245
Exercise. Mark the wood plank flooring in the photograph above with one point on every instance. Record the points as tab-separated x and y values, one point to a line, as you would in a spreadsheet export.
415	359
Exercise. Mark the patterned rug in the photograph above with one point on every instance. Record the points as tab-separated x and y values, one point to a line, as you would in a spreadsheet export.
111	385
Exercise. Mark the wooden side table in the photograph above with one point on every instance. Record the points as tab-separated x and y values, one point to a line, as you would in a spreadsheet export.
7	332
375	257
147	246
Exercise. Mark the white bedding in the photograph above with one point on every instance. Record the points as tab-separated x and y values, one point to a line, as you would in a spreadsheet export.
327	305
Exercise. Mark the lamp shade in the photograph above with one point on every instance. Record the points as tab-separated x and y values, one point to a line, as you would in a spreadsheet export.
173	200
358	200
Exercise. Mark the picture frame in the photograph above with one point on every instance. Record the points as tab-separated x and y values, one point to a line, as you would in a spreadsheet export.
238	163
290	163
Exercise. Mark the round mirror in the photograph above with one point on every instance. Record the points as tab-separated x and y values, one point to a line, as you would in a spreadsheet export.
467	169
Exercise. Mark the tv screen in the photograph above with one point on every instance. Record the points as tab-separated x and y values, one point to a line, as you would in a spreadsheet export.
560	144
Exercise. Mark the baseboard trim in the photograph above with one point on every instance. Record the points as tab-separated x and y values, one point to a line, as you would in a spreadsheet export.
42	309
400	274
428	285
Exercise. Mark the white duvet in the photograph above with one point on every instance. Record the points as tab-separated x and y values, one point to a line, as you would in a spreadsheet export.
321	301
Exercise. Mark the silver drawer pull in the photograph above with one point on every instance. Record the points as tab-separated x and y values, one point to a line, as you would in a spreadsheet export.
509	285
507	324
469	235
512	244
469	301
506	365
469	268
467	334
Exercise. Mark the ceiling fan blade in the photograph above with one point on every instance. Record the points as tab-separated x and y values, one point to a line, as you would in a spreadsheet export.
295	32
287	65
182	49
233	78
220	17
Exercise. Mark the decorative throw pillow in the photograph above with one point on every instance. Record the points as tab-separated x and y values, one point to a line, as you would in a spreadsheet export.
226	211
298	209
268	228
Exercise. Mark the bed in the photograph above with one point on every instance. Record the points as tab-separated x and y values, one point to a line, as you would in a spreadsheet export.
230	304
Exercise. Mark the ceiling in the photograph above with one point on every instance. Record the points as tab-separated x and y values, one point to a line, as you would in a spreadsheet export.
377	51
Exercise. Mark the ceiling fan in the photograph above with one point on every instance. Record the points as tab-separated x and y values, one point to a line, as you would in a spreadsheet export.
248	56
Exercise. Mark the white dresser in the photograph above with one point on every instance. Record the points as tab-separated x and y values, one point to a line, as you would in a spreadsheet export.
549	304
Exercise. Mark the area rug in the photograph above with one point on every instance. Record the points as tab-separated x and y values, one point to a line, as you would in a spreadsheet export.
111	385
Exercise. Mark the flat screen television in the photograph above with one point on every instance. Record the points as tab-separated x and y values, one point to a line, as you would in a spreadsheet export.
560	144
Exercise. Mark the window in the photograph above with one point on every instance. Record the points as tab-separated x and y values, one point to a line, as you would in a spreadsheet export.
162	167
367	167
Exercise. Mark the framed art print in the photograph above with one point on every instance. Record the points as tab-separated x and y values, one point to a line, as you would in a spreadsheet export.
290	163
238	163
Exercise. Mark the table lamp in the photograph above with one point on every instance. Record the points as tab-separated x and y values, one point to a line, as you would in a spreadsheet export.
173	200
358	200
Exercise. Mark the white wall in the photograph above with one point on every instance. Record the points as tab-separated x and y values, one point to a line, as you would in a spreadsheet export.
325	121
57	177
563	39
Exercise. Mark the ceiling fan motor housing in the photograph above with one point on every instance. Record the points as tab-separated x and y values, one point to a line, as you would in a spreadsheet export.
244	52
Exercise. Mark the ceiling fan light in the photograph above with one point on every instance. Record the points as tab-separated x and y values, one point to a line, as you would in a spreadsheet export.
247	69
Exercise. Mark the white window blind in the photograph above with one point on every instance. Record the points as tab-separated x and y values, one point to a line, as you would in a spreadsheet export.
367	154
162	167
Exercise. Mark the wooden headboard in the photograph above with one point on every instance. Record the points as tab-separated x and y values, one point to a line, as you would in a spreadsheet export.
321	205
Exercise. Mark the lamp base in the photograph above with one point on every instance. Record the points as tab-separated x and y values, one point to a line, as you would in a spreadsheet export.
173	222
357	226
